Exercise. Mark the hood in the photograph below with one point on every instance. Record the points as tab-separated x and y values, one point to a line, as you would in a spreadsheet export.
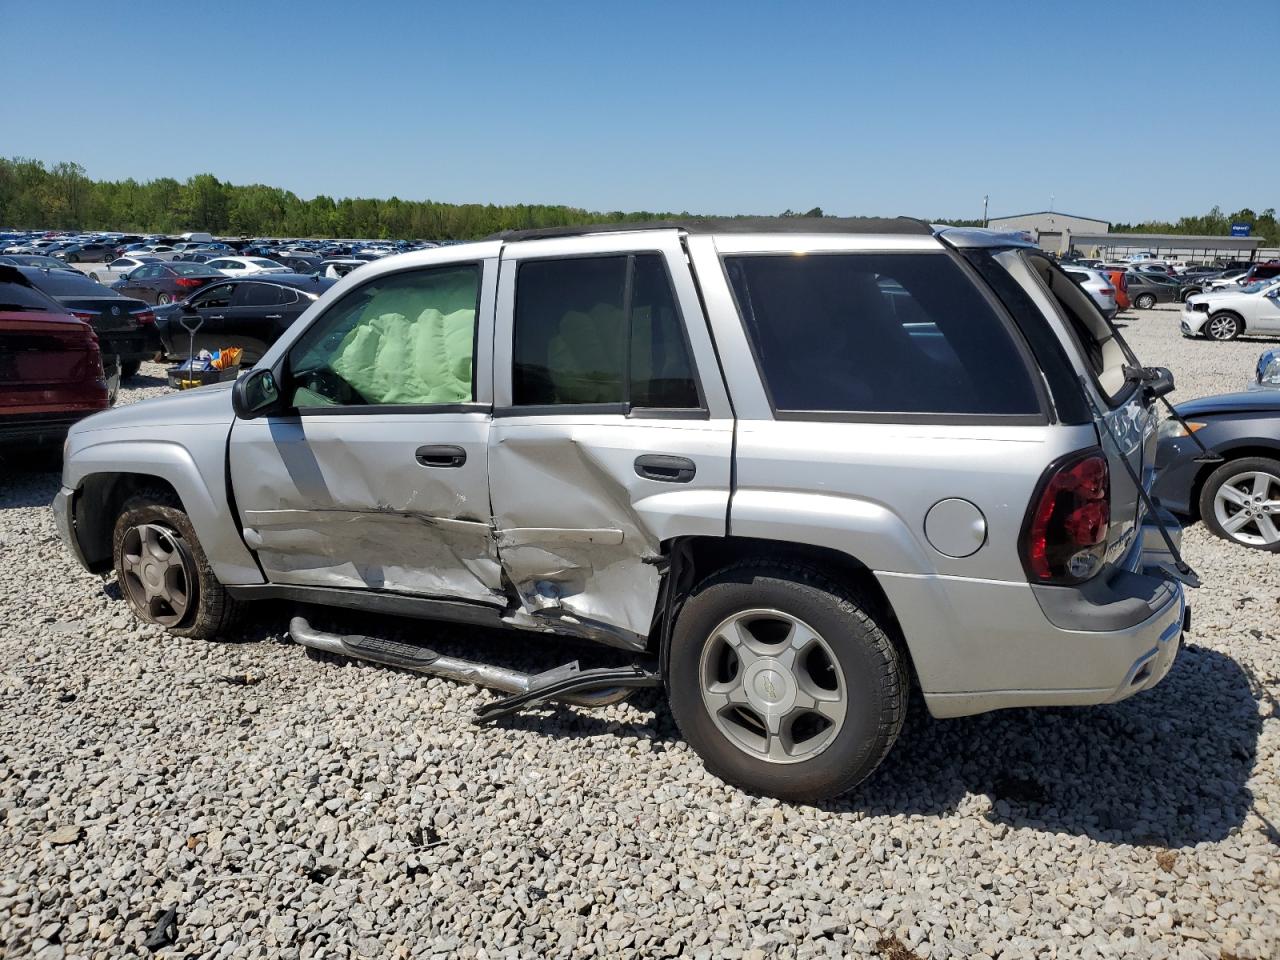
202	405
1253	401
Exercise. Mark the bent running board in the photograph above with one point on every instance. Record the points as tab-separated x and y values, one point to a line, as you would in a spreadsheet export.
567	683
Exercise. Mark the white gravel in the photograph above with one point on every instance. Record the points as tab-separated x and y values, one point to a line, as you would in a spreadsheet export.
326	809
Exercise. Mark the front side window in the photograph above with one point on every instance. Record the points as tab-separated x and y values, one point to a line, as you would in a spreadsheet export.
878	333
405	339
600	330
217	296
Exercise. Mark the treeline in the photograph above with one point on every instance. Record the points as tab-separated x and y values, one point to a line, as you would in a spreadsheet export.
62	197
1215	223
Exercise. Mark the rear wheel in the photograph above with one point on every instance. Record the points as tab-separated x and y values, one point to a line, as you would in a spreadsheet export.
1145	301
164	298
1240	501
130	368
93	275
163	572
1223	326
783	682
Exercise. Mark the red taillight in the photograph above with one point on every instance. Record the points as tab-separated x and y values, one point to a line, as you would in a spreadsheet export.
190	281
1108	291
144	317
88	316
1064	538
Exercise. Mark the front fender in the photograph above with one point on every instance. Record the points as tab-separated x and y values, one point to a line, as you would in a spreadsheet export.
198	477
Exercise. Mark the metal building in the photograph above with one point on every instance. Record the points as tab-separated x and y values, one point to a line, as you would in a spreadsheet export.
1051	231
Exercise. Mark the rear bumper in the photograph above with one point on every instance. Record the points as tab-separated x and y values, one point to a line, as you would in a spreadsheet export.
132	345
981	645
41	429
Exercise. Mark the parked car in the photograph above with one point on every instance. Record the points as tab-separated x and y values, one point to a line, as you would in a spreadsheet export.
928	489
244	266
300	263
1148	289
1239	499
35	260
87	252
120	267
1097	286
248	313
1239	278
125	326
337	267
167	281
50	367
1225	315
1118	278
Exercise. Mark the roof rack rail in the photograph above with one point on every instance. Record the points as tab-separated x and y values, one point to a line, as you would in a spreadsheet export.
702	225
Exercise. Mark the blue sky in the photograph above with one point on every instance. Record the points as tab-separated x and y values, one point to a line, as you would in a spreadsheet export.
1119	111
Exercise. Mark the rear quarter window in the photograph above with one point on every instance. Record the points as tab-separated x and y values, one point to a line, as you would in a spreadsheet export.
884	333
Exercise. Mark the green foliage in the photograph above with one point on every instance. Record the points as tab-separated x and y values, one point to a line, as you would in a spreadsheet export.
1215	223
62	197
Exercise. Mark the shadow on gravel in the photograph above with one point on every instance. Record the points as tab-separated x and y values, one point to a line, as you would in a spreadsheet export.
1165	767
29	479
140	381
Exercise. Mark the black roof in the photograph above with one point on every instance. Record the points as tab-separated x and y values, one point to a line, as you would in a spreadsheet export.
697	225
299	280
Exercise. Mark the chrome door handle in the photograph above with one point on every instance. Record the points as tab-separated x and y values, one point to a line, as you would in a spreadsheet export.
273	316
664	468
440	455
216	316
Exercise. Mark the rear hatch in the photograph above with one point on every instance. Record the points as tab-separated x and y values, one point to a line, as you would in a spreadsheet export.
48	364
107	314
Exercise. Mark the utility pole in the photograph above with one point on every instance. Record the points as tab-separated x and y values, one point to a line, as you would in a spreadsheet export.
1051	203
985	198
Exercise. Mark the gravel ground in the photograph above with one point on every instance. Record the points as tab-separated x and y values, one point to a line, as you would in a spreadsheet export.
288	804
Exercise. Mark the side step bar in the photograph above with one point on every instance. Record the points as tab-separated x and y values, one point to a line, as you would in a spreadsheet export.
566	684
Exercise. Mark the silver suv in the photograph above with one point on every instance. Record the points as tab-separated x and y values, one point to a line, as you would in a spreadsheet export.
790	469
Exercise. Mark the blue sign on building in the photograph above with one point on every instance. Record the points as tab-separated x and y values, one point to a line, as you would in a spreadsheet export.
1240	229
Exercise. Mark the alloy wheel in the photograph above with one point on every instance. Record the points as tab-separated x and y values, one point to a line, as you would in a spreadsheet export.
159	574
1223	328
1247	506
773	686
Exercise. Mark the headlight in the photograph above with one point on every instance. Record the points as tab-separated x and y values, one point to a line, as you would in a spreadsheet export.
1173	430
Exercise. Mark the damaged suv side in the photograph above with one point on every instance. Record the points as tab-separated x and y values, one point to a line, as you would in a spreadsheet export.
790	469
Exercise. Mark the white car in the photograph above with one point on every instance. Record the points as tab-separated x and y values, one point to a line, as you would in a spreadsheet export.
244	266
1225	315
117	268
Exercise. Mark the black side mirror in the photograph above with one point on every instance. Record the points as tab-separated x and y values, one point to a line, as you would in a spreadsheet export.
256	394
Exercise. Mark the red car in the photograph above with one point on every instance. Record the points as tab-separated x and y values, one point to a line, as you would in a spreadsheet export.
50	366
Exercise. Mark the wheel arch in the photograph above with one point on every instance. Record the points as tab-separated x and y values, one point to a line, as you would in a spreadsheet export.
103	475
694	558
1235	313
1238	450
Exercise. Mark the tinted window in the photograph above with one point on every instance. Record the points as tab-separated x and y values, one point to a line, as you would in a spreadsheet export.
21	298
257	295
574	330
882	333
218	295
406	338
64	283
192	270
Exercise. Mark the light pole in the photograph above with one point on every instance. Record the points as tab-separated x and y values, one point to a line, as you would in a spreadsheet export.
985	198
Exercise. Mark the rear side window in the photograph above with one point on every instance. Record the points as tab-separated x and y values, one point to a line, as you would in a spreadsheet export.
258	295
62	283
23	299
600	330
878	333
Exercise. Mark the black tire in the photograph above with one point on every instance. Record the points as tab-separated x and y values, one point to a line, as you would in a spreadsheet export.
130	368
211	611
1223	326
93	276
163	299
72	258
111	371
1215	481
1145	301
874	669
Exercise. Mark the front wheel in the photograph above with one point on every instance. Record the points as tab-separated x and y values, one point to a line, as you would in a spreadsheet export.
783	682
1223	326
163	572
1240	502
1145	301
